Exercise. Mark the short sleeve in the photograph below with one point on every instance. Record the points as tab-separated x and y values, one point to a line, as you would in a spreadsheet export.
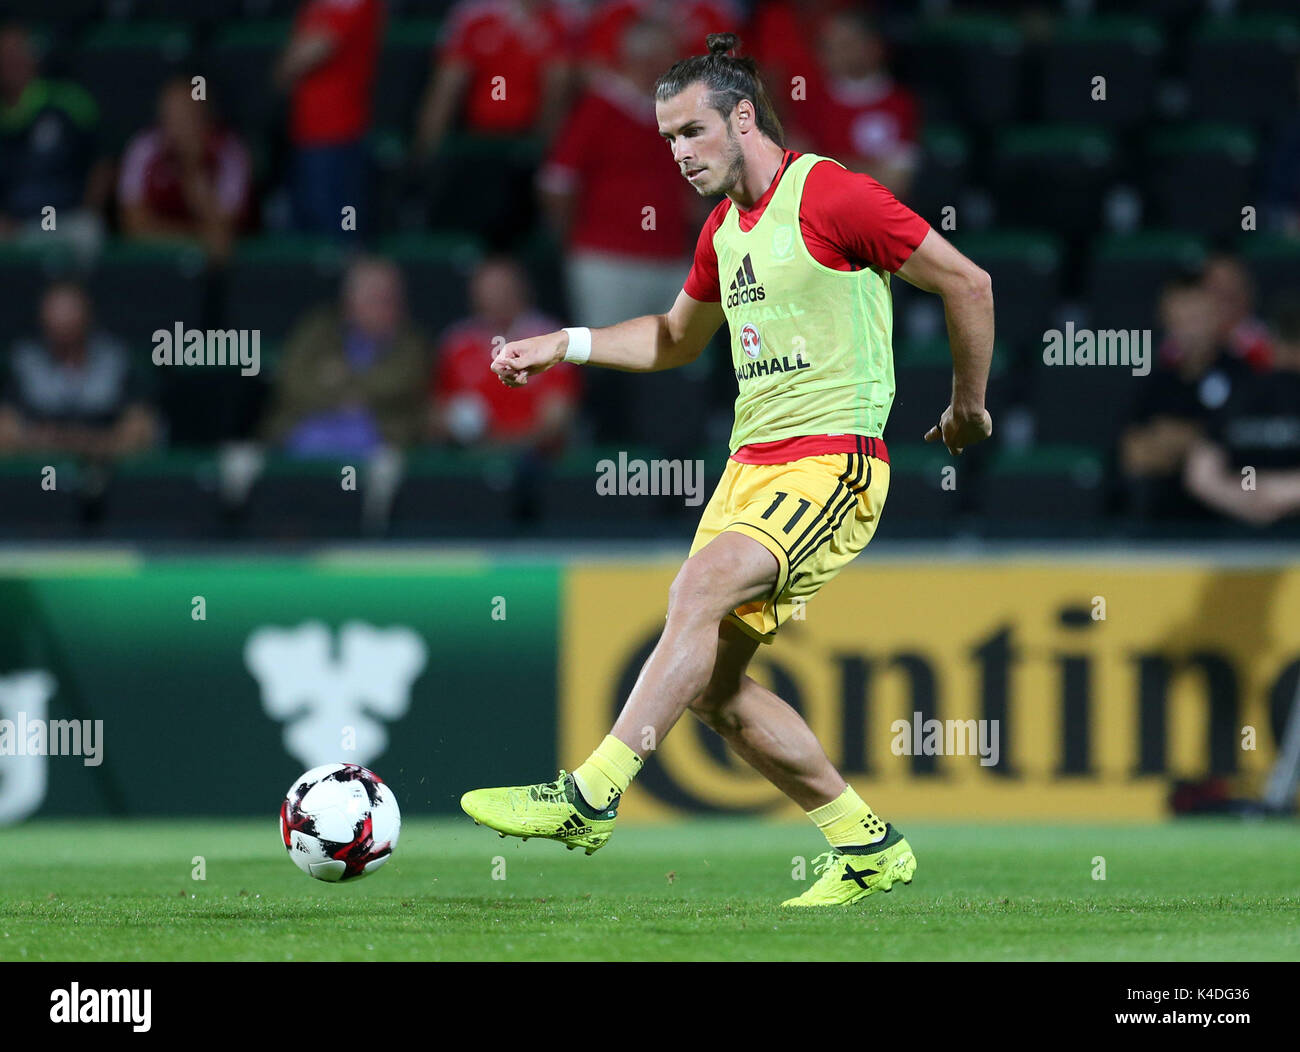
702	282
861	217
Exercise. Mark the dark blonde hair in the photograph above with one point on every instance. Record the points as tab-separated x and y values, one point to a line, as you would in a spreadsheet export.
728	80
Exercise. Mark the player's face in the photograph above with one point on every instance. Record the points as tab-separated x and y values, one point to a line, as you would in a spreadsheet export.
704	146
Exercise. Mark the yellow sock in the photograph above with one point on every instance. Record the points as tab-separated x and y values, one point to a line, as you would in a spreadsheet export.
607	773
847	821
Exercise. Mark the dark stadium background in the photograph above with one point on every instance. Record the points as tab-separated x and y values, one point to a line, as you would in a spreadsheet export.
1083	211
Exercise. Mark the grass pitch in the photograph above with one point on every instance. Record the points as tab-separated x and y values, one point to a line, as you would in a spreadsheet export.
703	890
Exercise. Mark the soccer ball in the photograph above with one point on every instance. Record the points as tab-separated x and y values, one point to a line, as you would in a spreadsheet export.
339	822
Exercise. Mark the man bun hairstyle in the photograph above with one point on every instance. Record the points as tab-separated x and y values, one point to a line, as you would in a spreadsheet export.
728	80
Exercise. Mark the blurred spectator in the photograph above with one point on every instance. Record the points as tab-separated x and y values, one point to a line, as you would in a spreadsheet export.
470	405
329	70
48	151
855	112
690	22
502	68
186	177
611	191
784	36
626	216
73	390
352	378
1257	428
1193	378
1232	291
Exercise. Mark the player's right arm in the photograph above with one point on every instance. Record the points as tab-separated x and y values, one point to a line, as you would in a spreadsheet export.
648	344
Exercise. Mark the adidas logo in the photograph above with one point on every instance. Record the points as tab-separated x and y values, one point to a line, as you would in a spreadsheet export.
744	287
574	827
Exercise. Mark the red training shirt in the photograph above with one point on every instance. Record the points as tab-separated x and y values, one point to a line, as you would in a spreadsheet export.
498	38
331	103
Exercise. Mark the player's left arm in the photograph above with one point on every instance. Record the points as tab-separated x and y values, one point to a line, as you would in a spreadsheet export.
967	293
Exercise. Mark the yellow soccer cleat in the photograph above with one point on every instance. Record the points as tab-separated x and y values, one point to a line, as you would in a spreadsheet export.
553	810
850	874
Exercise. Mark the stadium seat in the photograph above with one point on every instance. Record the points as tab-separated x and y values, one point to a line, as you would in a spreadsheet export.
437	271
943	171
163	496
1053	174
1198	178
123	64
1124	50
1061	483
449	494
31	511
297	499
1127	271
202	11
1275	263
404	66
239	60
274	280
484	185
916	491
543	258
1244	69
968	68
923	387
1081	404
571	506
66	10
138	287
1026	270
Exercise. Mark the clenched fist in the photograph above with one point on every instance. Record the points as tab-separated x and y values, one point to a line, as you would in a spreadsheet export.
958	432
515	362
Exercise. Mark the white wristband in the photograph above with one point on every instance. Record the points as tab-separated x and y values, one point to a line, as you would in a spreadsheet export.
579	345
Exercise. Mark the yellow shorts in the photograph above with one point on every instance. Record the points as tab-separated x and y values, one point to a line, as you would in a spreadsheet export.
814	514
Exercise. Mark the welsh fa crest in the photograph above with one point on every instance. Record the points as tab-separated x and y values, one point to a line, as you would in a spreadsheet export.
783	241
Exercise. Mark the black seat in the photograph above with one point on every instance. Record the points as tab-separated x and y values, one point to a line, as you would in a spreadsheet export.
239	61
1125	51
273	281
403	72
123	64
1055	173
138	288
1062	484
437	271
1197	178
1243	69
974	62
1026	270
1126	273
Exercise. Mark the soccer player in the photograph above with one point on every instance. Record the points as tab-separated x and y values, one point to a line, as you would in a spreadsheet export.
797	261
